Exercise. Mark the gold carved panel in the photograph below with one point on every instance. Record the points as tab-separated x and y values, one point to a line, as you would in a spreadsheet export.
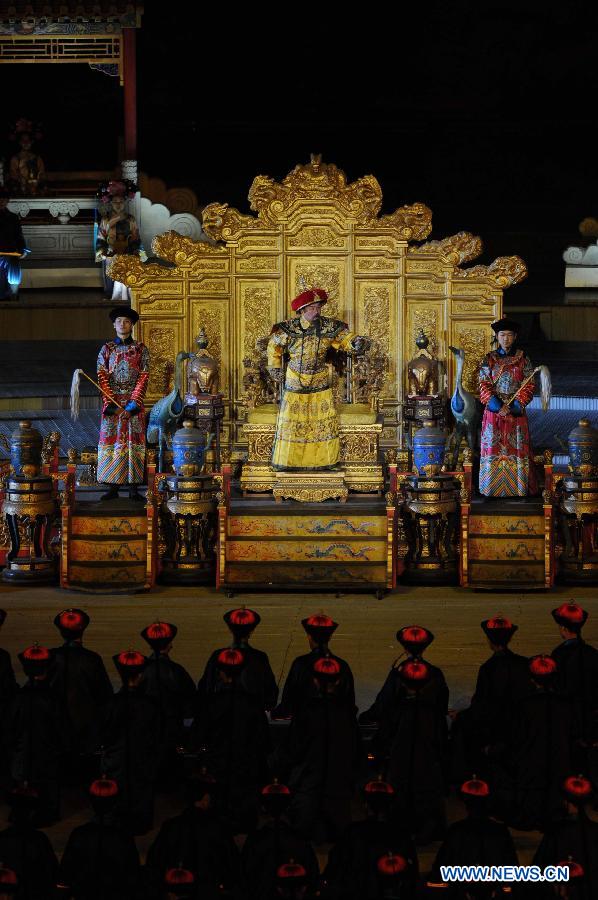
317	237
428	317
163	340
376	304
257	309
327	272
475	340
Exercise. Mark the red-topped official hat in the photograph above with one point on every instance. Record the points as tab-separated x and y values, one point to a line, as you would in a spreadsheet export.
9	883
275	798
577	789
159	634
242	620
291	872
103	788
230	661
475	789
72	621
499	630
391	865
327	669
570	615
35	659
378	795
542	667
313	295
576	870
414	639
130	662
179	881
414	673
320	626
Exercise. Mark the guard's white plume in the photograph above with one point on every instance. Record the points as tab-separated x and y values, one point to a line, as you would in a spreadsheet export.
75	394
545	387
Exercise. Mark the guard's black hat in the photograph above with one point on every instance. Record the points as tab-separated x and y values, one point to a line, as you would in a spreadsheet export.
275	798
542	668
103	793
124	311
180	882
378	795
414	673
577	789
506	324
231	662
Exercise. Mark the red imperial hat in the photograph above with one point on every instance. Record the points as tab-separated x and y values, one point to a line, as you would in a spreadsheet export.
320	627
326	669
570	615
35	659
242	620
312	295
541	667
391	865
499	629
415	639
475	789
159	634
230	661
131	662
577	789
414	673
72	620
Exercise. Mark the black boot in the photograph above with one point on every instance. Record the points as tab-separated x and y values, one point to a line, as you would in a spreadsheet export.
111	493
134	493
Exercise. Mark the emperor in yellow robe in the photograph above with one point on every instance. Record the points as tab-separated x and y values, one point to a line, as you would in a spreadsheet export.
307	434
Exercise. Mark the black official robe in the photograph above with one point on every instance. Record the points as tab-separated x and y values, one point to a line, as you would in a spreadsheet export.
577	676
79	677
323	755
503	680
36	741
299	686
413	736
352	874
100	862
232	731
172	689
129	732
475	840
575	837
29	853
544	728
257	677
435	692
199	841
269	847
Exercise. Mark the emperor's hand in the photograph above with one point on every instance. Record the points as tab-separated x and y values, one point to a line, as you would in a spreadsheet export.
132	408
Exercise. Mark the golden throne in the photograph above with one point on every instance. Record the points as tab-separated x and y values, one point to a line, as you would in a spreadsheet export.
357	385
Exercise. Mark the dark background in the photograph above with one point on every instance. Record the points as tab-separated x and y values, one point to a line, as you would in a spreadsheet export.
484	112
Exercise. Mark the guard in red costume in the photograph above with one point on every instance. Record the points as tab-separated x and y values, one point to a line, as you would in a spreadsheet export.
506	458
123	374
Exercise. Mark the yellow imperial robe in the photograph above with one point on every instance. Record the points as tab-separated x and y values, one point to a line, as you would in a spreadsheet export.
307	424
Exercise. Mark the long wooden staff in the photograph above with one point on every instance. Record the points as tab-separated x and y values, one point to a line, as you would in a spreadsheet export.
75	393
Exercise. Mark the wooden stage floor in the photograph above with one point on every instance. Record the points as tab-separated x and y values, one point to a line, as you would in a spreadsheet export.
365	638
